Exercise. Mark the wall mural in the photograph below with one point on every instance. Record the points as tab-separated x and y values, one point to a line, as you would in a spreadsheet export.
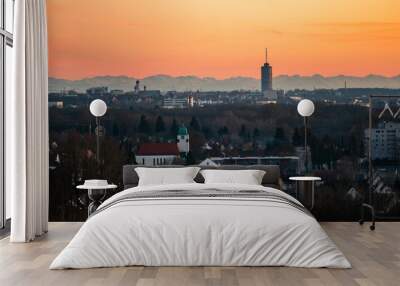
191	82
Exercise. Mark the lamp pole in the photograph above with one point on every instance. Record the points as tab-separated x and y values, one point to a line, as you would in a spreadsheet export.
305	146
98	108
305	108
98	140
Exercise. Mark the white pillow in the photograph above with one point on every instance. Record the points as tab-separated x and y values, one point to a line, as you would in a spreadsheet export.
166	176
248	177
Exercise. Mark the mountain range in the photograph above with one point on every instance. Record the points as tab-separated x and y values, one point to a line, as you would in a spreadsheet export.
193	83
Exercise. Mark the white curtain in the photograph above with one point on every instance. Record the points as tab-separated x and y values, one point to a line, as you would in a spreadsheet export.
27	124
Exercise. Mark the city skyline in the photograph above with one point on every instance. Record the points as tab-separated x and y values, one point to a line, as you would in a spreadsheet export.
222	39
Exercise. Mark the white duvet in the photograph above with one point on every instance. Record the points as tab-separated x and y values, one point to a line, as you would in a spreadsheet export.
193	231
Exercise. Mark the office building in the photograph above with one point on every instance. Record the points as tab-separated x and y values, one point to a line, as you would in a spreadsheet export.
385	141
266	80
266	75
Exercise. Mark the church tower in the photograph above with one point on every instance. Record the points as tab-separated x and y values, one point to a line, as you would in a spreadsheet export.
183	140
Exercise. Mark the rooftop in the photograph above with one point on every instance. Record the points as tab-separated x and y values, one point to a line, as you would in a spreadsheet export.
148	149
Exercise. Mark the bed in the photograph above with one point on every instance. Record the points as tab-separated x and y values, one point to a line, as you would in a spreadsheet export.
197	224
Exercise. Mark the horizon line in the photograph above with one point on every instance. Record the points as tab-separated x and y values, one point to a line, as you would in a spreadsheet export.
226	78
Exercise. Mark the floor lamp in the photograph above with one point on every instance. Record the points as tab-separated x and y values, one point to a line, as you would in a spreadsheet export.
305	108
98	108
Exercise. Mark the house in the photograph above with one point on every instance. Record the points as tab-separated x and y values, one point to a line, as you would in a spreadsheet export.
208	162
289	164
155	154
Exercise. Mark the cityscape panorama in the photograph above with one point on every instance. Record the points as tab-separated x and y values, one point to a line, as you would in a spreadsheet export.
213	84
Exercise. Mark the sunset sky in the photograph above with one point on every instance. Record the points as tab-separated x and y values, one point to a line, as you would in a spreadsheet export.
222	38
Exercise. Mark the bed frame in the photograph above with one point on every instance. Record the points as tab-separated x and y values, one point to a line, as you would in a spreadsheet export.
272	177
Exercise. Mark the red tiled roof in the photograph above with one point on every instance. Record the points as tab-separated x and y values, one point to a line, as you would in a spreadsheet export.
148	149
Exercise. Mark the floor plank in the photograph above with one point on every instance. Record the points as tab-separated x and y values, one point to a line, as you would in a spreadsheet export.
375	257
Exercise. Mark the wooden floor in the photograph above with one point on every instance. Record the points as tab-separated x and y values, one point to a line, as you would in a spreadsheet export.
375	257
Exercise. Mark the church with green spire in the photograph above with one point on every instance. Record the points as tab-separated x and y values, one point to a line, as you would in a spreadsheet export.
183	141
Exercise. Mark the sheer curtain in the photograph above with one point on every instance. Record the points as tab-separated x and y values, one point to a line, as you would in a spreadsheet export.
27	124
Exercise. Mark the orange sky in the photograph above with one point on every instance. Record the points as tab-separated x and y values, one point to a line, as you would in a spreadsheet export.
222	38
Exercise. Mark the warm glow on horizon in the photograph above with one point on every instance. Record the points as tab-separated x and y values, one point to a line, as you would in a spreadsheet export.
223	38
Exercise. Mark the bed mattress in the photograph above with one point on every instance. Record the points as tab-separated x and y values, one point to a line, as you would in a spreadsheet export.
201	225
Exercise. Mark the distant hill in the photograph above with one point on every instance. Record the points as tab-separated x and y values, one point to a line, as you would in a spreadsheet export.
193	83
318	81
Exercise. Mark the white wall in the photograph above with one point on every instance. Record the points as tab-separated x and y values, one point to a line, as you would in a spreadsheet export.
183	143
155	160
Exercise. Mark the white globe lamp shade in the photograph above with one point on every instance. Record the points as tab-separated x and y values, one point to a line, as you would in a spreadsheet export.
98	108
305	107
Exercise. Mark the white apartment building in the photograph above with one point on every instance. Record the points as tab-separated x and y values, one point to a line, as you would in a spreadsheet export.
175	102
385	141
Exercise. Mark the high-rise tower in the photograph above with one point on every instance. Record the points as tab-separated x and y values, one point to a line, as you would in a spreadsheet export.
266	75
